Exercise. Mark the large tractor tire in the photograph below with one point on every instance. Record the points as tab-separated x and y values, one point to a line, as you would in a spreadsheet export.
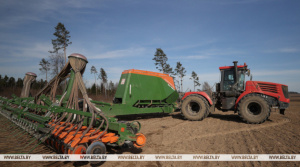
195	108
254	109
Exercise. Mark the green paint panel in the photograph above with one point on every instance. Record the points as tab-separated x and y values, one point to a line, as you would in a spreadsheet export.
134	87
141	94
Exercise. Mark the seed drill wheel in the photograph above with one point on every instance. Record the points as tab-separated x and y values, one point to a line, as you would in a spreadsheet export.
96	147
195	108
254	109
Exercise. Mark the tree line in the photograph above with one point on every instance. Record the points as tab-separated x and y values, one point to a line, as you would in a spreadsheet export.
104	87
108	89
11	82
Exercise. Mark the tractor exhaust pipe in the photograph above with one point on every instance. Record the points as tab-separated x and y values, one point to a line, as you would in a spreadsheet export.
235	73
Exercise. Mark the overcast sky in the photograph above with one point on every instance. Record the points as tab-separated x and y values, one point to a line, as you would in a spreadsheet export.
124	34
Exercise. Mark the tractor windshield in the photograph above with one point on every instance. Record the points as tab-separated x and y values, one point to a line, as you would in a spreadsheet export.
228	80
241	82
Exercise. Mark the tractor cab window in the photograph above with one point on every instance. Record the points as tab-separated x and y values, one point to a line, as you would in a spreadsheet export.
228	80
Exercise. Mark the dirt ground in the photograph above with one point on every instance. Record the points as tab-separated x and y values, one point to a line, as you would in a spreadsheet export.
220	133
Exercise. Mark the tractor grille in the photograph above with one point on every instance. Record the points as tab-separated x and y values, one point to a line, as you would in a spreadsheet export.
268	87
285	91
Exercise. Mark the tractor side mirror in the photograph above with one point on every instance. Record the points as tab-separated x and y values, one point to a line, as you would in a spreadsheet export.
248	72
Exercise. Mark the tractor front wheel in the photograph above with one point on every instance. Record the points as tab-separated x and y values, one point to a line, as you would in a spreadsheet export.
254	109
195	108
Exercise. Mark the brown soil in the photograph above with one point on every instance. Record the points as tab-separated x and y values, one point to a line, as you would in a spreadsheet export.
220	133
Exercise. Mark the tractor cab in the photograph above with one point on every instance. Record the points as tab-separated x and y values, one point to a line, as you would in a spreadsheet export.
231	86
232	79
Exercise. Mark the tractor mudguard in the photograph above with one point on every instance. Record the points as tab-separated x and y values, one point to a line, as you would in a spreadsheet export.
204	94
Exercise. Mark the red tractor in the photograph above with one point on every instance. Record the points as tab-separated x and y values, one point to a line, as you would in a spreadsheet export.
252	101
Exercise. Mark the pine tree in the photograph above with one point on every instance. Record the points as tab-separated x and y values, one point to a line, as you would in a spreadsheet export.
19	83
1	83
195	79
62	40
95	72
93	89
5	80
180	72
161	64
111	86
169	70
11	82
103	77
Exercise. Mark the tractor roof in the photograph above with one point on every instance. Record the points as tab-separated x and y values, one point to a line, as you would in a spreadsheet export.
231	67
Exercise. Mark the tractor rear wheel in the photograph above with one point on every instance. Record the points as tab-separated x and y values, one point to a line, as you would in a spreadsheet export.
254	109
195	108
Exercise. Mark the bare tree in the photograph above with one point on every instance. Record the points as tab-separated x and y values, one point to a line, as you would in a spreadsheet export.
45	67
57	63
206	87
